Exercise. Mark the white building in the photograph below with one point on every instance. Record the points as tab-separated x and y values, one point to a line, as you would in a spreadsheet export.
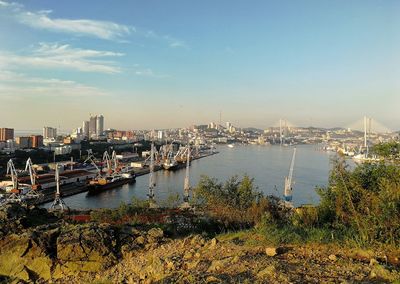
49	132
99	125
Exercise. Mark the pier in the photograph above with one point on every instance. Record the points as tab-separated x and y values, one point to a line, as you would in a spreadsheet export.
76	188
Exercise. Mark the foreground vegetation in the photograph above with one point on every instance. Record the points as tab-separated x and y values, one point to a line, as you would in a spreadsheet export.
234	234
359	206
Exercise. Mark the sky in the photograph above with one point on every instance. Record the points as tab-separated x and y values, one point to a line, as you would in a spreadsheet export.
168	64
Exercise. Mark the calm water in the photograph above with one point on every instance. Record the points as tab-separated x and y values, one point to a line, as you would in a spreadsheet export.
268	165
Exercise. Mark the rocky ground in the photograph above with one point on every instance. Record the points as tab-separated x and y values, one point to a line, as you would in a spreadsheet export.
60	252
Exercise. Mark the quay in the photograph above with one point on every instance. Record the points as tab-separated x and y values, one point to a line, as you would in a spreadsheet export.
79	187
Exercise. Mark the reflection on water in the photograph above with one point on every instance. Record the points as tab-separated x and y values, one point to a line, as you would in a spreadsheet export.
268	165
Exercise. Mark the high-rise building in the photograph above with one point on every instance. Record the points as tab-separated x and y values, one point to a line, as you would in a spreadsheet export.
49	132
85	128
92	125
99	125
6	134
37	141
24	142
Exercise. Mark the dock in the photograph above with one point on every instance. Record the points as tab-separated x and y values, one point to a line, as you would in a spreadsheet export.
76	188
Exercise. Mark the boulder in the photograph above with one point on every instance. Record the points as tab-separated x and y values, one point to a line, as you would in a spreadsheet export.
86	248
26	256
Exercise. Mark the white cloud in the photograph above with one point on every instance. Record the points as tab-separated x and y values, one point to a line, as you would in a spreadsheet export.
83	27
100	29
57	56
17	85
147	72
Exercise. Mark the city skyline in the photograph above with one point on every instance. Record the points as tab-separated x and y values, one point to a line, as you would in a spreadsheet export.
166	65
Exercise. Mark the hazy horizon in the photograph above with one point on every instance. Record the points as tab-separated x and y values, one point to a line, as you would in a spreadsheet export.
172	64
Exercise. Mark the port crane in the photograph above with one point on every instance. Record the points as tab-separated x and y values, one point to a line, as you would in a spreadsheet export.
288	180
33	191
58	203
115	161
152	183
186	185
107	160
15	191
90	159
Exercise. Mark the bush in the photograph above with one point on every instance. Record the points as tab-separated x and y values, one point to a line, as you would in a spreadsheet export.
236	202
365	200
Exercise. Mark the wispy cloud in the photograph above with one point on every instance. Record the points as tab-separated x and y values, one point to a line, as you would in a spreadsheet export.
81	27
57	56
20	86
147	72
100	29
106	30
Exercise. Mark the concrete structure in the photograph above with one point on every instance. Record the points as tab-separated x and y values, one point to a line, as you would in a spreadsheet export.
24	142
85	129
6	134
99	125
49	132
37	141
92	125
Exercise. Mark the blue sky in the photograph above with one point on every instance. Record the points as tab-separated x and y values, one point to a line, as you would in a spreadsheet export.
162	64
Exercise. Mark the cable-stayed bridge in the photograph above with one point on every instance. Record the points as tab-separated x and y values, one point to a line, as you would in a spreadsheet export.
372	126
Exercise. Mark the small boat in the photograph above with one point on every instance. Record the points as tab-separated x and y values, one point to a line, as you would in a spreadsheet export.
231	145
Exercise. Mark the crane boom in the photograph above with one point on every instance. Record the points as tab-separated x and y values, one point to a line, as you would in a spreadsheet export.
152	184
11	171
186	186
106	159
32	173
288	179
115	160
90	159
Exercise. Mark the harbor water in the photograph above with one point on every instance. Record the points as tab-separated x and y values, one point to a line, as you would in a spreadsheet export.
268	165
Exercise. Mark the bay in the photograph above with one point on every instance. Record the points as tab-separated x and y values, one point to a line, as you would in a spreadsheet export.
268	165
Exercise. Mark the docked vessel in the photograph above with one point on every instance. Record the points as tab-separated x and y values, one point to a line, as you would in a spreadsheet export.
170	163
100	184
115	176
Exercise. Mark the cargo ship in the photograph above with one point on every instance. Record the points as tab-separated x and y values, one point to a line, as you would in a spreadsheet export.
104	183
